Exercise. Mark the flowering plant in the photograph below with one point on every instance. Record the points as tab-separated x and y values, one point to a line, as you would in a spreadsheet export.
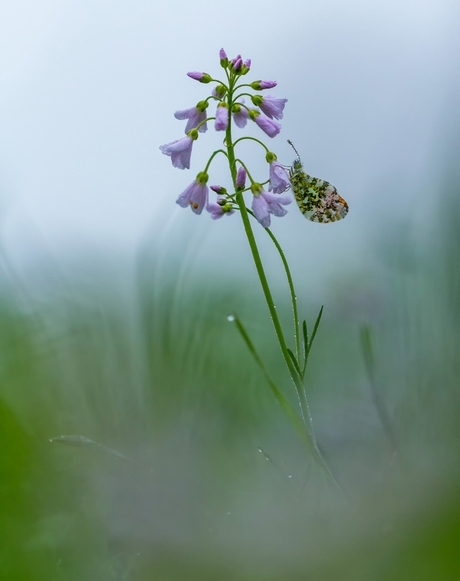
267	200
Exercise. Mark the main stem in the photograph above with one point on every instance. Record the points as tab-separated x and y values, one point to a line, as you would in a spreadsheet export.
266	288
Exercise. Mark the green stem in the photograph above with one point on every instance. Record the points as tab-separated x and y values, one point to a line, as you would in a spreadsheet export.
263	279
305	410
292	291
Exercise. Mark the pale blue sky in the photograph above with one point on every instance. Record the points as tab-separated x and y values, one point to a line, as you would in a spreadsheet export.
88	90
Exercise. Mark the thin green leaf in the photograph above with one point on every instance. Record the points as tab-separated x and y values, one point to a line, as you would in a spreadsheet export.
381	408
83	442
305	339
315	328
293	417
368	352
294	360
308	344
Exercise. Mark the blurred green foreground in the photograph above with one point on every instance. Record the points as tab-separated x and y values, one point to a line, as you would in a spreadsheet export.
189	469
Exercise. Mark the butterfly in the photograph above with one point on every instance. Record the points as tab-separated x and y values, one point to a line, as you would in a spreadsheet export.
317	199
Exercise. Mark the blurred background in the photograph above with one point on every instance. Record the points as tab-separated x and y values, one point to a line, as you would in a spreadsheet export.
138	438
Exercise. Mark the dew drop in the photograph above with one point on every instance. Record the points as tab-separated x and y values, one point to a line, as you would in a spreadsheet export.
231	318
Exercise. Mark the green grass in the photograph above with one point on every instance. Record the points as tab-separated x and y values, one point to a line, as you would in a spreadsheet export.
161	377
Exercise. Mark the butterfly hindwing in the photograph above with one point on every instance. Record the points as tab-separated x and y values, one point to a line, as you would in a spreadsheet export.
317	199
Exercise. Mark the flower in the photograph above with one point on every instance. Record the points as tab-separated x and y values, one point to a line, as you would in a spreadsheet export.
241	178
219	190
202	77
180	151
219	208
221	117
196	194
240	114
271	106
261	85
195	116
237	63
223	58
270	127
264	203
279	178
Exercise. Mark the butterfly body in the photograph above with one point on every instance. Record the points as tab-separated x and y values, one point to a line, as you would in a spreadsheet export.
317	199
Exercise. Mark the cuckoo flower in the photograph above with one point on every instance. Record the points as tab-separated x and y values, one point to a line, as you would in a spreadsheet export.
219	208
271	106
279	178
261	85
221	117
240	114
265	203
196	194
270	127
241	178
201	77
223	58
195	116
180	150
237	63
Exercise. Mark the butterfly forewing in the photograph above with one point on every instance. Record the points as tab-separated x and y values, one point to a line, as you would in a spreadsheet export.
317	199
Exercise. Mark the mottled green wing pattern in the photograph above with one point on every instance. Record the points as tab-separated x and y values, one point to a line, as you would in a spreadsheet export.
317	199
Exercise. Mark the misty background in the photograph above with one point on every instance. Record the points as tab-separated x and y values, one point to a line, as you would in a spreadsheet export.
88	92
113	300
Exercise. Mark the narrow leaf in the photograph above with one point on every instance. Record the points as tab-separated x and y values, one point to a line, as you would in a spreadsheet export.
293	417
315	328
294	360
83	442
381	408
305	339
368	352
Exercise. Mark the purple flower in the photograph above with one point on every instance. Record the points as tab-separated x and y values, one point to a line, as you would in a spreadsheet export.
265	203
219	208
272	107
218	189
221	117
247	63
223	58
202	77
195	116
195	195
241	178
180	151
237	62
240	114
270	127
261	85
279	178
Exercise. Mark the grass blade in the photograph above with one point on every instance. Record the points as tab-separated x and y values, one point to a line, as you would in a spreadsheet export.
83	442
294	360
305	340
369	362
315	328
293	417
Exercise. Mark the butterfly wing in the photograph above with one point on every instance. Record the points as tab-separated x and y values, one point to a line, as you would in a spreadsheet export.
317	199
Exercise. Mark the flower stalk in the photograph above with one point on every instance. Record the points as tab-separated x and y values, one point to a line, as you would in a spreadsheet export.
231	108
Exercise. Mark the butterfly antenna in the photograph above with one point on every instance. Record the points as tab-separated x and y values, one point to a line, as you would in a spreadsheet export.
292	145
